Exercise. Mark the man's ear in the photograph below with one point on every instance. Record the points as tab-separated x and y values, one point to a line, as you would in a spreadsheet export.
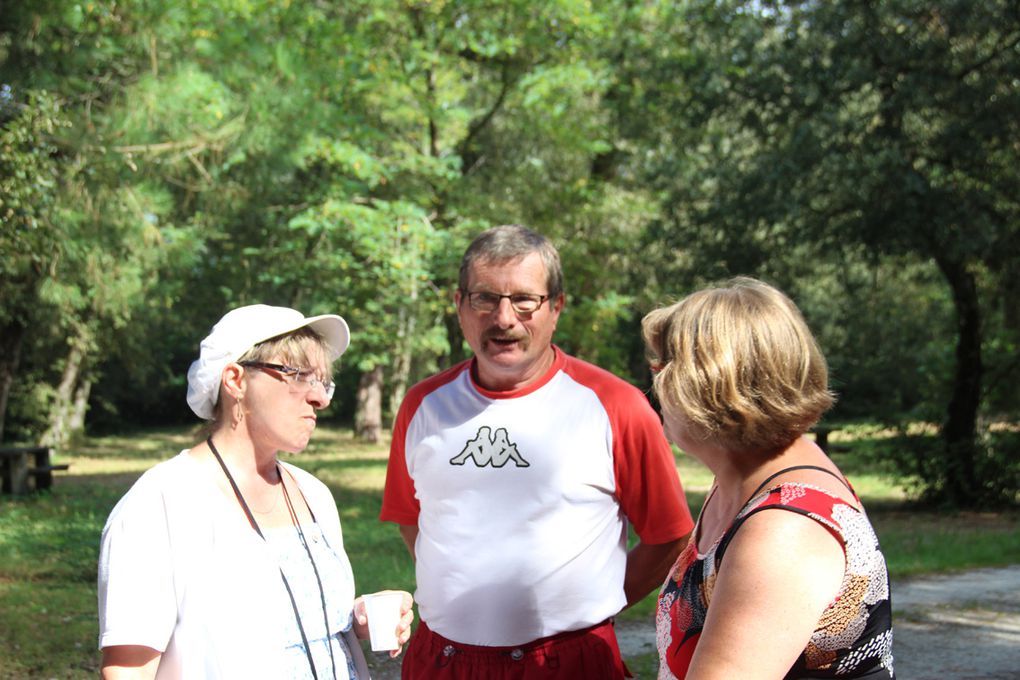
561	301
457	298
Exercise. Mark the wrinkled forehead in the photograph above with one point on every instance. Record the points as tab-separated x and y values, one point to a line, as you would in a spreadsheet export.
521	270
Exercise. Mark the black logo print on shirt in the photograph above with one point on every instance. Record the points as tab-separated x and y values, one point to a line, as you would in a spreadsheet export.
490	449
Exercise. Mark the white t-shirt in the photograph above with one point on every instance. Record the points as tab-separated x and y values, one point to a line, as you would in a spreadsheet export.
182	572
522	499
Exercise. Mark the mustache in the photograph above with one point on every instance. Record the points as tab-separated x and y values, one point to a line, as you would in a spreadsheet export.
504	336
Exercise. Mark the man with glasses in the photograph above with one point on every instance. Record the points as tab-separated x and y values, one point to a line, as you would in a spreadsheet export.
514	476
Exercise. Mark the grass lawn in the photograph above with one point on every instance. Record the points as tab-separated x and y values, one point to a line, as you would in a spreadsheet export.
49	541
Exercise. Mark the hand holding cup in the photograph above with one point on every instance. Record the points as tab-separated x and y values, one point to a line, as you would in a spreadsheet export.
385	618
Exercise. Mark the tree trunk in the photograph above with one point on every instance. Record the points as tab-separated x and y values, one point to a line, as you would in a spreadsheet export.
11	339
62	411
1011	292
959	432
401	374
368	411
79	407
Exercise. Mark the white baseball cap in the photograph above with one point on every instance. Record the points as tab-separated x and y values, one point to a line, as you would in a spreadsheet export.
241	329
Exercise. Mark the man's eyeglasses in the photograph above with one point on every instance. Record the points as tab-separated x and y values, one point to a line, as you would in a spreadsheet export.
522	303
300	381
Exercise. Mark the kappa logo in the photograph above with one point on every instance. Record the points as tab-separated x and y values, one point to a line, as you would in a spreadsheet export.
490	449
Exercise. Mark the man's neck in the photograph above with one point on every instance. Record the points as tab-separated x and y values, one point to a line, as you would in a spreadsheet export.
500	382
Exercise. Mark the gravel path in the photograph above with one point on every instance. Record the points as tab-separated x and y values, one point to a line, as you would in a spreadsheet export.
958	627
962	626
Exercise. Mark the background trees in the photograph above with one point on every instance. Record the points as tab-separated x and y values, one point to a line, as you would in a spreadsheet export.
164	161
849	134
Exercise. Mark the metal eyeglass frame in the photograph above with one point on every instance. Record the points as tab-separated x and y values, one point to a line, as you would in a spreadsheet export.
302	380
492	300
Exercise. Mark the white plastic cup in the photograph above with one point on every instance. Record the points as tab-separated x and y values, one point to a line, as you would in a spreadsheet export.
383	611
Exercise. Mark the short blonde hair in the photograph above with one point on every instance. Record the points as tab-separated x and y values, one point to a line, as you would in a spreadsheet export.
738	366
293	349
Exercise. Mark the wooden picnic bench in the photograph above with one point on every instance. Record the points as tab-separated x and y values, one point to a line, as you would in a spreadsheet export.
23	468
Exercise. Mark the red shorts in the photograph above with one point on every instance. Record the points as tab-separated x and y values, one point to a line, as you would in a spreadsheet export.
589	653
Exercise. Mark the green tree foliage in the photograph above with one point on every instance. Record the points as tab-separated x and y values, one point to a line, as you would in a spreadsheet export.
88	253
166	161
842	131
365	142
29	180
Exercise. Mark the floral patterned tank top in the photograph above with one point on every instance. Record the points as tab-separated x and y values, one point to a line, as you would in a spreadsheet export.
853	638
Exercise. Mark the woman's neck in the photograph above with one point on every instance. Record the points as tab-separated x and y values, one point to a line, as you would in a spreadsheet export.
736	479
240	453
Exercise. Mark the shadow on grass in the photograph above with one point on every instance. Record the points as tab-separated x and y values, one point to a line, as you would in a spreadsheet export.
149	444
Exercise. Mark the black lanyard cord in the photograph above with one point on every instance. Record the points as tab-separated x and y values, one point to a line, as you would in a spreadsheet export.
315	568
286	584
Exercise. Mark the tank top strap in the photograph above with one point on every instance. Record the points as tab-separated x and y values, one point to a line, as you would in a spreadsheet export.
801	467
739	521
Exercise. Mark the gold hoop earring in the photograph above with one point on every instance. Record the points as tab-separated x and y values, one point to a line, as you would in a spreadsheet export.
238	414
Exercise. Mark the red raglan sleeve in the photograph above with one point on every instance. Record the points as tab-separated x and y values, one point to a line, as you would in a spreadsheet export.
647	482
399	502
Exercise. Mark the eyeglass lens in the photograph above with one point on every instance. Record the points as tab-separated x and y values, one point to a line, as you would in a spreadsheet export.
306	380
299	381
523	303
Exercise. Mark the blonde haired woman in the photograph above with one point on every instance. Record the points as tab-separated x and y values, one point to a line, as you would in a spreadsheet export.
224	561
783	576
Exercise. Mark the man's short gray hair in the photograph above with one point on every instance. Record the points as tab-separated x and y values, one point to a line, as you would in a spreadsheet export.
510	242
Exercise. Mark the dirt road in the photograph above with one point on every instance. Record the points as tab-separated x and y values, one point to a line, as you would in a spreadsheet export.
959	627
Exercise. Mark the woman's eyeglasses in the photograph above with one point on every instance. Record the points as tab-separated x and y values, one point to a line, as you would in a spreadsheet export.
300	381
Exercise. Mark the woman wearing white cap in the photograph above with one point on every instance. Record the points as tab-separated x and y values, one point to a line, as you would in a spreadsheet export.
224	562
